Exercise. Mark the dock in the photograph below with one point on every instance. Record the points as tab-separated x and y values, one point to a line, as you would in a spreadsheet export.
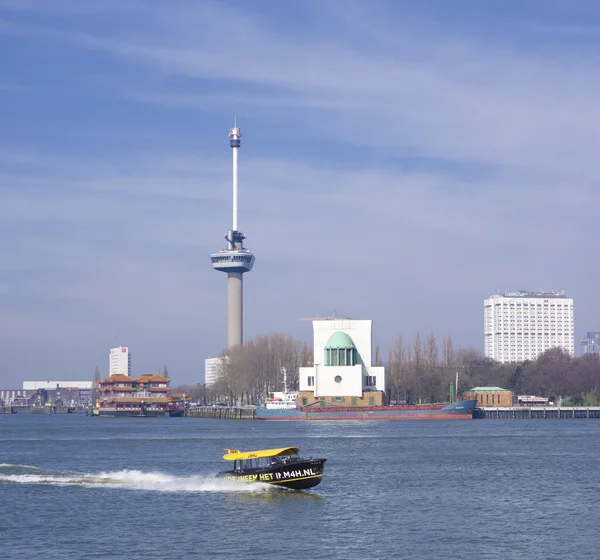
537	412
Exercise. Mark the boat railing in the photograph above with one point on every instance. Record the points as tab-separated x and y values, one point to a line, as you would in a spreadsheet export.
396	408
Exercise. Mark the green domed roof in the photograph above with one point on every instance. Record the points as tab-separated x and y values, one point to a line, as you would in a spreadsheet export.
339	339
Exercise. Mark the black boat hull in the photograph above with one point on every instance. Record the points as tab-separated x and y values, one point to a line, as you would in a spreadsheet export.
298	474
123	413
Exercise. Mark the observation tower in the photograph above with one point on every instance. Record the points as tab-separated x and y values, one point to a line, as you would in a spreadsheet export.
235	260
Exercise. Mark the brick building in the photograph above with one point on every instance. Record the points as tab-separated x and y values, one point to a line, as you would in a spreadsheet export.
490	396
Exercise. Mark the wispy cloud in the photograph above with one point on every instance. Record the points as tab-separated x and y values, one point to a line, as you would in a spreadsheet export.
444	97
391	168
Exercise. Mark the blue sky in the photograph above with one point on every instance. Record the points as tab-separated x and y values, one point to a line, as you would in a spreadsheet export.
400	162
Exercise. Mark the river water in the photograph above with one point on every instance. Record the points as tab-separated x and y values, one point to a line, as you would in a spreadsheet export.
74	487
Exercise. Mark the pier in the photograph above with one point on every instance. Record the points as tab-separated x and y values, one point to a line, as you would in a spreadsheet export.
221	412
537	412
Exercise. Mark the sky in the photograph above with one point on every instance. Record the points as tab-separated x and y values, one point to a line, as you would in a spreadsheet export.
400	162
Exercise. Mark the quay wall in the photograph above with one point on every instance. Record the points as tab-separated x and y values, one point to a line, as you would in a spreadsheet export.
40	410
537	413
487	413
221	412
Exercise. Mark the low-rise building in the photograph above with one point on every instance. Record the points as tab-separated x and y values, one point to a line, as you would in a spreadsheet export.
40	393
52	385
490	396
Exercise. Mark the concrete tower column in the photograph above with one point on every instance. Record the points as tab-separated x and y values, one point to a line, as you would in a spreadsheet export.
235	308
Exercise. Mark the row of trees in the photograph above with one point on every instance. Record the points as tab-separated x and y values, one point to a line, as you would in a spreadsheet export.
420	370
250	372
556	373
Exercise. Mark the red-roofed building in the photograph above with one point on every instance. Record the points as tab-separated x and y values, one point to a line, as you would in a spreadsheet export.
146	395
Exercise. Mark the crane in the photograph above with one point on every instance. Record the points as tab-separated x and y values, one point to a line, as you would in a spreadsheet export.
317	318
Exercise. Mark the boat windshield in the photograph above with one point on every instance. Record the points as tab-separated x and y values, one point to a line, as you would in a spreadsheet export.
247	464
262	462
284	459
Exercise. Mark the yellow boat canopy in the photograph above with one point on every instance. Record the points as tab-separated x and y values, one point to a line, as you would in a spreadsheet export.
236	454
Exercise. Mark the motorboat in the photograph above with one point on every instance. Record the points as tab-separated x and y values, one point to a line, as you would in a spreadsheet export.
280	467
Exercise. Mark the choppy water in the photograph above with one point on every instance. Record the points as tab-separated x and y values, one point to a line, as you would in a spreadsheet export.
74	487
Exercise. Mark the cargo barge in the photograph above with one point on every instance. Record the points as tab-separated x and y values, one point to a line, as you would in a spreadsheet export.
460	410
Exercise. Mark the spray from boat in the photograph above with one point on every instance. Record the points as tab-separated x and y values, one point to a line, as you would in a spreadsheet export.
126	479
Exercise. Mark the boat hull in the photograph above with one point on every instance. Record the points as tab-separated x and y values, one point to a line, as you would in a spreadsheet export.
294	474
139	413
460	410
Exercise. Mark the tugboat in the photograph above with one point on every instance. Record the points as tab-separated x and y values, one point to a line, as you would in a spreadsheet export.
281	467
282	400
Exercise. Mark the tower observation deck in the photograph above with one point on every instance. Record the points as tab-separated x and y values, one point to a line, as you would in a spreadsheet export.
235	260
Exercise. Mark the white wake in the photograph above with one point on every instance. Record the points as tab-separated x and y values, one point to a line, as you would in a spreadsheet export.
125	479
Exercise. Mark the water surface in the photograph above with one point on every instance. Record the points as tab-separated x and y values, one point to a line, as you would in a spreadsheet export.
74	487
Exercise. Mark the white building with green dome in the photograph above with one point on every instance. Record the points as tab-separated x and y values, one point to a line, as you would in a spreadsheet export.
343	374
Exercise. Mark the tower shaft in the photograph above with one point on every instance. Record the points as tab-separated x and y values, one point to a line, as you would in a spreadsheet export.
235	188
235	308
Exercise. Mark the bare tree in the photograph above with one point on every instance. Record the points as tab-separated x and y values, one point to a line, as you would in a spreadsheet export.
398	371
377	355
431	373
95	385
252	371
417	367
447	351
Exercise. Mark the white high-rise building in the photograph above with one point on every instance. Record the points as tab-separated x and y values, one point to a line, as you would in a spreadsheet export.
211	370
520	326
120	361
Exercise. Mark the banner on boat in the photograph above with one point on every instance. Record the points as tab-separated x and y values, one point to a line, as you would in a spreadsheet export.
273	476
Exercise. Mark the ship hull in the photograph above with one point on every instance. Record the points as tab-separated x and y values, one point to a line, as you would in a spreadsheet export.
461	410
139	414
293	474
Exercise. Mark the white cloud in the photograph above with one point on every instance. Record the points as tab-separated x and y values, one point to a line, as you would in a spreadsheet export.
406	174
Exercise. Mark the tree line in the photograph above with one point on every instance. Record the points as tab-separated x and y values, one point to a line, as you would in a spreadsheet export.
420	370
248	373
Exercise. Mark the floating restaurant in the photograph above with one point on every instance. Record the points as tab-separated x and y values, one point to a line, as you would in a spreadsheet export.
147	395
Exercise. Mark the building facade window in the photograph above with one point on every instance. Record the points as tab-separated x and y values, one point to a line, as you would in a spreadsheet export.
341	357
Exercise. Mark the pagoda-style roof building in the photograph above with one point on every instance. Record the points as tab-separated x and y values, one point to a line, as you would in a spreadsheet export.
148	392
